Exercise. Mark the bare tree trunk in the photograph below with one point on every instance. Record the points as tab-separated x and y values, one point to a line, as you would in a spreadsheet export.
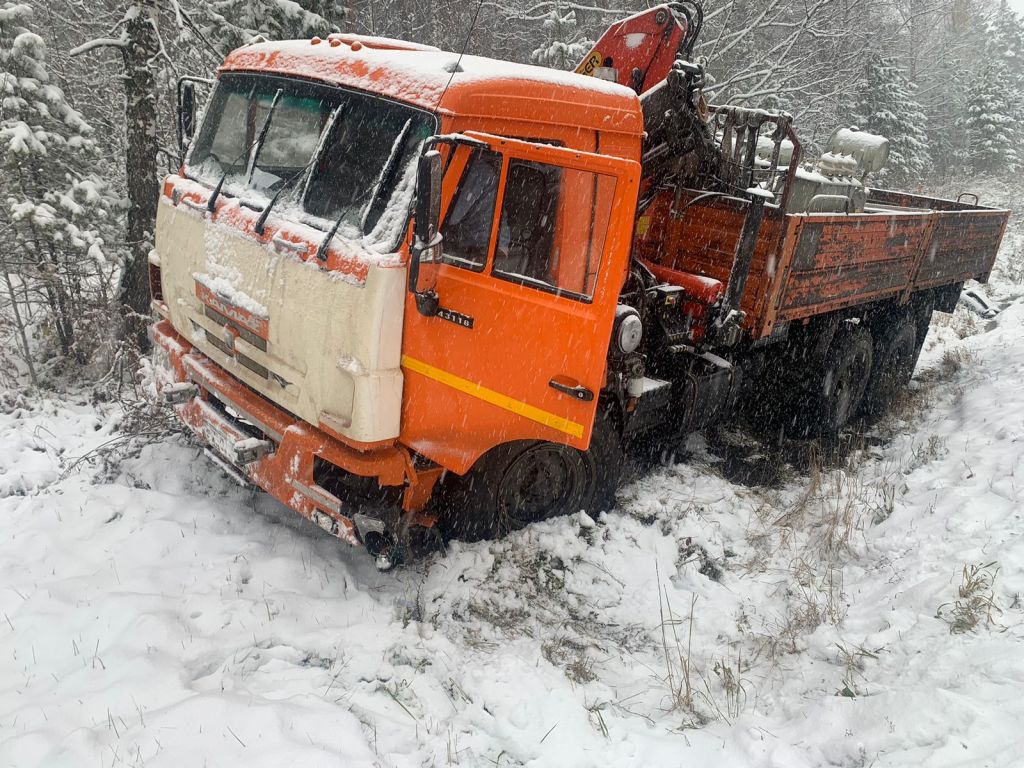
142	47
139	45
19	324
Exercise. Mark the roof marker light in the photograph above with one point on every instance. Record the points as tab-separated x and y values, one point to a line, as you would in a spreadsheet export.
315	41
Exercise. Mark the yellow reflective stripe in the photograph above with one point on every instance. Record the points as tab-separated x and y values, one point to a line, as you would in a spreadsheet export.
494	398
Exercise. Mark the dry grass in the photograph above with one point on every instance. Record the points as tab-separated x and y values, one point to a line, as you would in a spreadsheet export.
572	656
834	507
953	361
852	660
693	692
679	672
930	450
975	603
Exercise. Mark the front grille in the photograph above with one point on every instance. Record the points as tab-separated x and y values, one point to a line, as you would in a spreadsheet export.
244	333
241	359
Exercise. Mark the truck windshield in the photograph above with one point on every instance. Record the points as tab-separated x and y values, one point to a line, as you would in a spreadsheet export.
356	152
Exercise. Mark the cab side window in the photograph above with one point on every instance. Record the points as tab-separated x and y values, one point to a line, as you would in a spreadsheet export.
553	228
467	227
525	250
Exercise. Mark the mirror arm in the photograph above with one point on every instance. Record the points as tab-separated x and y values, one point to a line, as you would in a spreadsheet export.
427	302
414	268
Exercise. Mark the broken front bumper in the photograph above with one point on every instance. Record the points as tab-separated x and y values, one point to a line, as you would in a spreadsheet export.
270	447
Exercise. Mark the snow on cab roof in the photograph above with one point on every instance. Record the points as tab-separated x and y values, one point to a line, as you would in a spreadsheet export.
419	75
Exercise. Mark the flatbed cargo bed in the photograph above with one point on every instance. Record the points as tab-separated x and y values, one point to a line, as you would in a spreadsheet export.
808	264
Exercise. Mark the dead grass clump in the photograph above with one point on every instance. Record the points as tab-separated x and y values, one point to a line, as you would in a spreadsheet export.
966	323
853	660
931	449
975	603
905	404
813	598
842	512
953	361
571	656
679	671
511	619
699	696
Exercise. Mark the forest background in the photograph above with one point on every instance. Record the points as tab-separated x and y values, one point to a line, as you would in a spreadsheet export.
87	123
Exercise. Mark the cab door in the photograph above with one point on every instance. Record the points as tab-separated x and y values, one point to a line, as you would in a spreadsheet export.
535	251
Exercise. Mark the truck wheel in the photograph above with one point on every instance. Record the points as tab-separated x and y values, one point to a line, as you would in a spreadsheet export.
896	351
923	320
526	482
845	377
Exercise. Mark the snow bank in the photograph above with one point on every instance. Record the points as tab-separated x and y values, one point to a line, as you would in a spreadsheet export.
162	616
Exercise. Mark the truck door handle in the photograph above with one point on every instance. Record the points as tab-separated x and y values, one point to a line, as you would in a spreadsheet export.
578	391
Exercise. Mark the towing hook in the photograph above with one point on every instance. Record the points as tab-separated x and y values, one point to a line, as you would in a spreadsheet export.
379	541
179	393
251	450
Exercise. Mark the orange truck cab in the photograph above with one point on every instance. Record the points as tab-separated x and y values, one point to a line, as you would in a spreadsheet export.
287	336
405	290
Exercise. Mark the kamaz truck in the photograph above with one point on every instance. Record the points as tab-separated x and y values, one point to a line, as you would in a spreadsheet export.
405	290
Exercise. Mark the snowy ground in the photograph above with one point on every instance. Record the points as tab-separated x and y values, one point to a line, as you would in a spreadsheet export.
160	615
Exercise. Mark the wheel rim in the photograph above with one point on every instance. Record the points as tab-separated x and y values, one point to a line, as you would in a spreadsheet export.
542	482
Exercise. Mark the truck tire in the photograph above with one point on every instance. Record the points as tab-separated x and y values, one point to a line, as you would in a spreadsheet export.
844	378
895	354
922	322
524	482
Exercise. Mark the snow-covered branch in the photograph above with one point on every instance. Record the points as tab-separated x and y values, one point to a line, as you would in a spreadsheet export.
103	42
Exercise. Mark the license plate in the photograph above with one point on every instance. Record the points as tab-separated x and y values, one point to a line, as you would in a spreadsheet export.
222	442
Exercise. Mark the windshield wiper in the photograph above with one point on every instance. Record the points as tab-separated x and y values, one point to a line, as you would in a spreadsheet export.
389	166
257	143
385	172
261	222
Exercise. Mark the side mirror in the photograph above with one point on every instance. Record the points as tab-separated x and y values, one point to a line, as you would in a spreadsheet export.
426	238
186	113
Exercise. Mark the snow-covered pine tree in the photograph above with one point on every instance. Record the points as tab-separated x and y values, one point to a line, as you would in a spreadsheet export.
233	23
1006	42
885	105
945	58
54	211
993	129
1006	46
564	43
